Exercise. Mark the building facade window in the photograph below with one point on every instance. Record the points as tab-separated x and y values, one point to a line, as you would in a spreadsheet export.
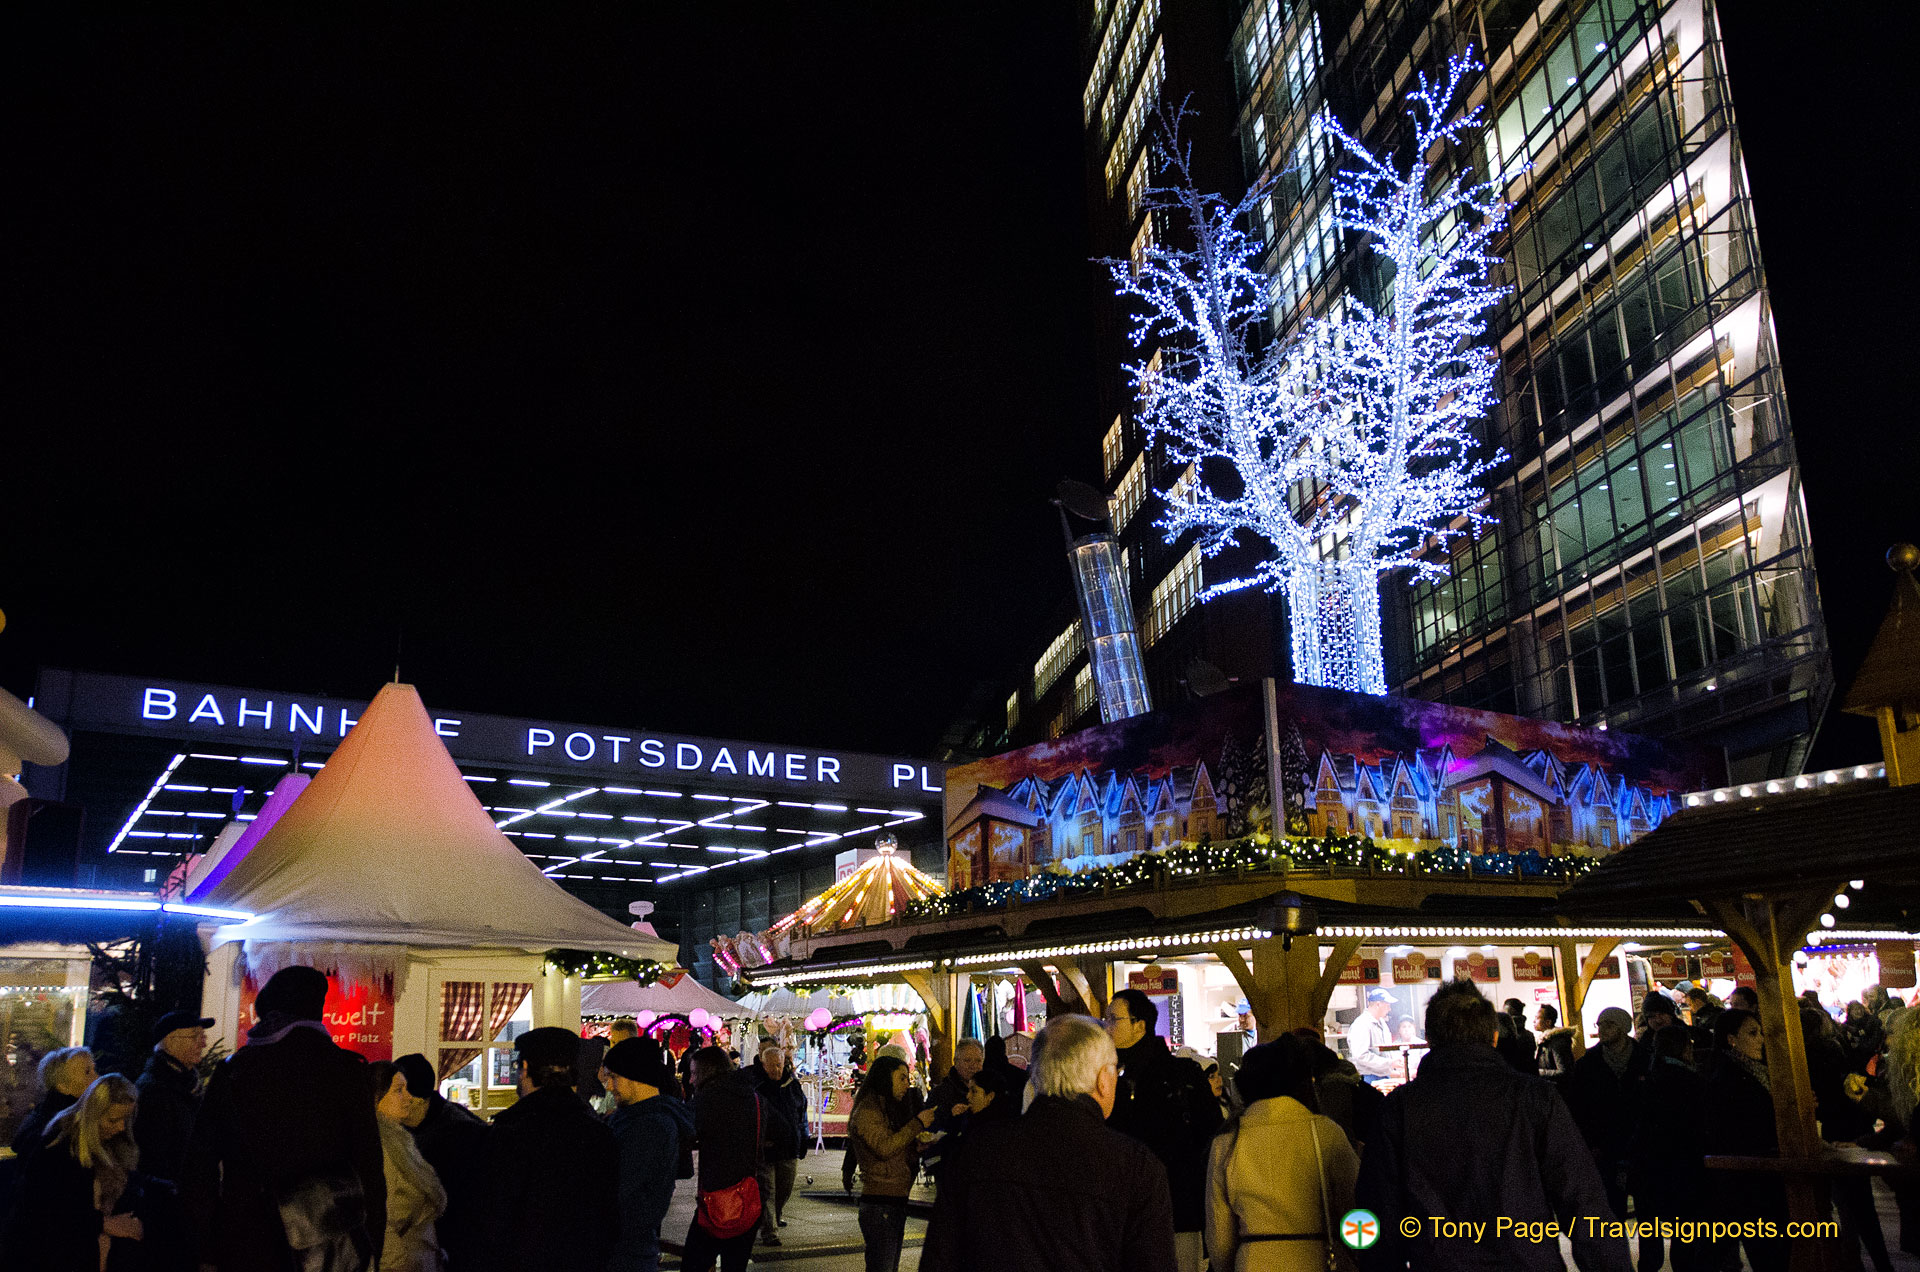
1059	656
1173	596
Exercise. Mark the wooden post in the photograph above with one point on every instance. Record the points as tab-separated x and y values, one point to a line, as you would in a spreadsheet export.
1283	985
1573	978
935	987
1037	974
1769	930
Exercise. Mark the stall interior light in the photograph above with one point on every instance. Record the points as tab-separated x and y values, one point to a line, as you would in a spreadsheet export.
770	978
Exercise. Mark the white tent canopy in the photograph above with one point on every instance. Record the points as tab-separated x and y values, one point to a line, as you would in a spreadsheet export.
784	1002
389	846
675	994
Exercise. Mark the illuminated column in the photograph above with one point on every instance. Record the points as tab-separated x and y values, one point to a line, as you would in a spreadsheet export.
1106	615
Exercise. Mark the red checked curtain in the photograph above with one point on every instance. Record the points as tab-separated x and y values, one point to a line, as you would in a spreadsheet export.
461	1004
507	997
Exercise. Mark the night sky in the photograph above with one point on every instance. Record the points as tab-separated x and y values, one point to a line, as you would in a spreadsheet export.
703	377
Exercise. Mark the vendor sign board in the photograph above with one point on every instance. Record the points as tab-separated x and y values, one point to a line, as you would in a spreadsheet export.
1410	969
358	1017
1716	963
1667	965
1155	981
1477	967
1533	966
1896	964
1361	971
1609	970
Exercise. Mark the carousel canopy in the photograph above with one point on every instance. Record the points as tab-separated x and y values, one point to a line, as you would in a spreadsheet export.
675	994
882	886
389	845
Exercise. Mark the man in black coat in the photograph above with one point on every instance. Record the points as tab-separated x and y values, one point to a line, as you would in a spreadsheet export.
1469	1140
553	1167
1604	1093
454	1141
1057	1188
170	1093
286	1113
1166	1103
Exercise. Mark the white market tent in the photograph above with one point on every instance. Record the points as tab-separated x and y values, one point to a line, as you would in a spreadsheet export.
386	871
675	994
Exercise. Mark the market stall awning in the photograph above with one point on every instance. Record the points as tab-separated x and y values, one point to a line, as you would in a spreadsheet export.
1760	841
675	994
389	845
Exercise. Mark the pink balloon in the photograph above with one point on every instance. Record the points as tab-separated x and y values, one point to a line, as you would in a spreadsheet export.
698	1018
646	1018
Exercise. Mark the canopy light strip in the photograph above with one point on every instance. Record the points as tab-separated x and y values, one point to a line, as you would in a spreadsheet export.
1781	786
121	905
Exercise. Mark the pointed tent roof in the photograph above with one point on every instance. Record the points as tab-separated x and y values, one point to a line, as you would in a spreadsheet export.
675	993
389	845
1890	675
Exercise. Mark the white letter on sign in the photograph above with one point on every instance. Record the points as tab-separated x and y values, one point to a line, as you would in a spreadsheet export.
157	702
902	773
537	738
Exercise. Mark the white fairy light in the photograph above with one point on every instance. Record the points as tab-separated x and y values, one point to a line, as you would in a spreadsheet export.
1370	412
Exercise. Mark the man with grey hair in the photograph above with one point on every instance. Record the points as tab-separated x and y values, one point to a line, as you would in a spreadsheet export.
1056	1188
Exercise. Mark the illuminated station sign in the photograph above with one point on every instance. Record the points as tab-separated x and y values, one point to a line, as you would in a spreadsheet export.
587	803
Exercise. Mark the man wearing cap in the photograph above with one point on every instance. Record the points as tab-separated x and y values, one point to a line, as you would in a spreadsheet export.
454	1142
552	1166
170	1093
286	1131
1370	1032
1604	1093
650	1125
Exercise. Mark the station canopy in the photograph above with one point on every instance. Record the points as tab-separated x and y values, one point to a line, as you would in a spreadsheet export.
389	846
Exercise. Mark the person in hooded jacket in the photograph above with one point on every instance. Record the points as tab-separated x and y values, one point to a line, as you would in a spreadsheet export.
1555	1052
650	1124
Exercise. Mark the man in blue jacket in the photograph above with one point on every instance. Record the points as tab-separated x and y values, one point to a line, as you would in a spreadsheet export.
651	1125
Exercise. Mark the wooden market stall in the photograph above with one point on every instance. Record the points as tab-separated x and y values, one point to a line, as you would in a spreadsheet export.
386	873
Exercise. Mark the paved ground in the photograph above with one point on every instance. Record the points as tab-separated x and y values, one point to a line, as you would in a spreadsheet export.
822	1232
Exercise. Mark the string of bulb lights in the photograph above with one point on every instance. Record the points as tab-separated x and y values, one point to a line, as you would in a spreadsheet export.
1369	410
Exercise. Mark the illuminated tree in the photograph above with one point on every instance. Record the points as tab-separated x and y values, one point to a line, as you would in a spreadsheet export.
1349	446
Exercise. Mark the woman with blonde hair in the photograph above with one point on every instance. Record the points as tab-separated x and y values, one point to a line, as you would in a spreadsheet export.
77	1197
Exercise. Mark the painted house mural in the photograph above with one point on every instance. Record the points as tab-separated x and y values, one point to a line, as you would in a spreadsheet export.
1410	774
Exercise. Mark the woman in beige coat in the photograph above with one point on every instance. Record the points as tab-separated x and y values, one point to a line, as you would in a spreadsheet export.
1281	1176
415	1197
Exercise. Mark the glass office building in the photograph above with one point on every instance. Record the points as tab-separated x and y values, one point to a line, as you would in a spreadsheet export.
1650	568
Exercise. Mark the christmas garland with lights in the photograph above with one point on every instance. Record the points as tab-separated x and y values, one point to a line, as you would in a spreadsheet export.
594	965
1343	852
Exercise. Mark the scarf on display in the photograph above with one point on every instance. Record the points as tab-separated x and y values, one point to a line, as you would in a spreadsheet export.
275	1025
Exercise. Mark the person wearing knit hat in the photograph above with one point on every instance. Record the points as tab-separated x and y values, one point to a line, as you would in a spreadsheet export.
654	1130
454	1142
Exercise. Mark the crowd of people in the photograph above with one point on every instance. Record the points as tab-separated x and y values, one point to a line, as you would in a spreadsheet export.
298	1153
1111	1153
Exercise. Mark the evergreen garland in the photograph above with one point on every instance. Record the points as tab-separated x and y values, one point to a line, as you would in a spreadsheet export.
1329	852
594	965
